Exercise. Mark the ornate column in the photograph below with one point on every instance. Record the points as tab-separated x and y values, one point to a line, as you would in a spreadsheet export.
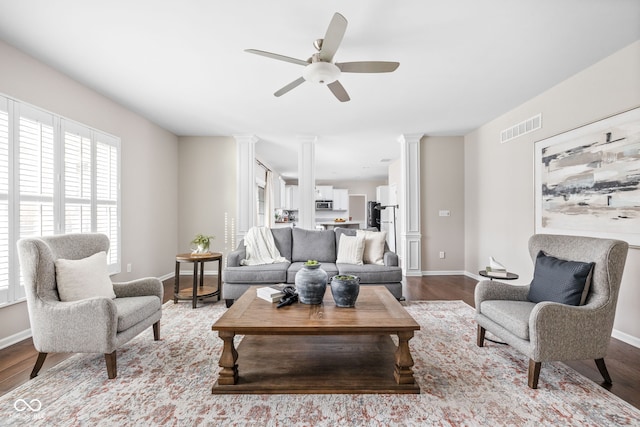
246	214
307	181
410	237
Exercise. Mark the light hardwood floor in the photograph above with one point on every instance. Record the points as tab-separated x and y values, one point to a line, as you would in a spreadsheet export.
623	360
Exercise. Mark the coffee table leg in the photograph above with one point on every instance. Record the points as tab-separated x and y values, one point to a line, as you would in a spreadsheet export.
228	359
403	372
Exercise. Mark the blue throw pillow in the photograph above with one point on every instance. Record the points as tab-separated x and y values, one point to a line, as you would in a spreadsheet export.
557	280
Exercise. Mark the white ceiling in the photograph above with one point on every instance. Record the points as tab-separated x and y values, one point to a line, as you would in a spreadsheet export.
182	65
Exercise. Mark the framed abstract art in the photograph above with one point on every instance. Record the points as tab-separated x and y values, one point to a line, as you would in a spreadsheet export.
587	180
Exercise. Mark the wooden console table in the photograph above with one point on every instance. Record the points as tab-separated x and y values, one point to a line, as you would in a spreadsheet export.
197	291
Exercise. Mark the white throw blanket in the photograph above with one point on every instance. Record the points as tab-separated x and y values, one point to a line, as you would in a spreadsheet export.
261	248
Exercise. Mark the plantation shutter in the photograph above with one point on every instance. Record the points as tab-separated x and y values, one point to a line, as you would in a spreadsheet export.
36	174
4	201
77	179
107	193
56	177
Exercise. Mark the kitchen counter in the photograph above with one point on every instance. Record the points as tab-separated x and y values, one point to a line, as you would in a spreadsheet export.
330	225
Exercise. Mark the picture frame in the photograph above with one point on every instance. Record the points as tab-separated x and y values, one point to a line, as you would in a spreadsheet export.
587	180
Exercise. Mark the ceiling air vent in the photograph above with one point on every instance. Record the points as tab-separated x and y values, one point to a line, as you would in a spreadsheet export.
525	126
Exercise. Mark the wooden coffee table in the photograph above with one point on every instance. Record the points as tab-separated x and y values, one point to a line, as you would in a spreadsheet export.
317	348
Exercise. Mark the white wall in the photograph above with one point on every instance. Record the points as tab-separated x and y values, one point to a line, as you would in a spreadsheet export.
442	188
499	200
207	192
149	167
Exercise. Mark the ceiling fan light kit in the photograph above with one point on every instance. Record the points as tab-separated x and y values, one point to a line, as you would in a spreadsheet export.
320	67
321	72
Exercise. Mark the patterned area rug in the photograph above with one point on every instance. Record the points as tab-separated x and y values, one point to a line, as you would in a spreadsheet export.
169	383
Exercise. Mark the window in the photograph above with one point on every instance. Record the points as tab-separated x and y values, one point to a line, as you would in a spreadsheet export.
56	177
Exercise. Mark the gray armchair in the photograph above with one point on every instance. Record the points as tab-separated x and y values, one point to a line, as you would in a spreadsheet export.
549	331
93	325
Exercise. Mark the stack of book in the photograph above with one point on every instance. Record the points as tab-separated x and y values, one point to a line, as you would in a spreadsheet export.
271	293
495	269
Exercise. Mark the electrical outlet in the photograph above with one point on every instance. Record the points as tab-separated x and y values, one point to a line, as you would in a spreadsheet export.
444	213
442	254
128	268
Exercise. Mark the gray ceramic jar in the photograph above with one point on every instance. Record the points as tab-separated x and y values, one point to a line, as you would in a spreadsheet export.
345	290
311	284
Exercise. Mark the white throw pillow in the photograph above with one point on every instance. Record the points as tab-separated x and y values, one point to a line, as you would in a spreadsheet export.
373	246
350	249
84	278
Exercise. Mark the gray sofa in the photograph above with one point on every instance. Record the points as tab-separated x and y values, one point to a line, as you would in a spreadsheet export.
298	245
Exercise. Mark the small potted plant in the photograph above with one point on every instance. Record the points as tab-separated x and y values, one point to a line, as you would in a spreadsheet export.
202	243
312	263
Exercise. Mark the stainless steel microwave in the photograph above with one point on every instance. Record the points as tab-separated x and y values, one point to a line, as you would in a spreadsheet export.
326	205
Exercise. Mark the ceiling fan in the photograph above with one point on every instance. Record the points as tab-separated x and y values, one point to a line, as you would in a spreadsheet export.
321	69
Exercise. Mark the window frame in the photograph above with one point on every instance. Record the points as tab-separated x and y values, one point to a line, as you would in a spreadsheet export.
12	291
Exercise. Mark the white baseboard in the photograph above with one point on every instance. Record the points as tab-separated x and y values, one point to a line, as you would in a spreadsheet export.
15	338
444	273
624	337
166	276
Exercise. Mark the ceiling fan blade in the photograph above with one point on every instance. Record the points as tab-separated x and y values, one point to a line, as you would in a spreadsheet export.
368	67
333	37
290	86
338	91
278	57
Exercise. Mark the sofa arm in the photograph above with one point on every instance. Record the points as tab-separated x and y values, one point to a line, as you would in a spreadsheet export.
234	257
84	326
390	259
566	332
140	287
494	290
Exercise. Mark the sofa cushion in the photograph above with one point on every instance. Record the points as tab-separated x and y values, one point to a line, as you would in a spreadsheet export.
561	281
374	244
282	239
329	267
512	315
319	245
133	310
256	274
372	273
350	250
339	231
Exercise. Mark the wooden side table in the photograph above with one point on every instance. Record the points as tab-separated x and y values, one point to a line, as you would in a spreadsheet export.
197	291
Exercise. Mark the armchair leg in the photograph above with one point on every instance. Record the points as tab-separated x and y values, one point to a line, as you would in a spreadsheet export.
534	373
156	331
38	365
481	332
228	302
112	368
603	371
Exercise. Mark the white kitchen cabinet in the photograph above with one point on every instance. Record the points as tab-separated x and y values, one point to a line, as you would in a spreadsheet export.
291	199
340	199
324	192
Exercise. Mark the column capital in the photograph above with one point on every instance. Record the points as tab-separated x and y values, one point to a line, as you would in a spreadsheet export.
307	138
249	138
410	137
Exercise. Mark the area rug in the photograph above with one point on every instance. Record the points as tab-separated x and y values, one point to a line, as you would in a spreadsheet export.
169	383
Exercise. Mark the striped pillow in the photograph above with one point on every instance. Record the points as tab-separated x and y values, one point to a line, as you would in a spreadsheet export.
350	249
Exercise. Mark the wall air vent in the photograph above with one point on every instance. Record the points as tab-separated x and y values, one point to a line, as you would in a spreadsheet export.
525	126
